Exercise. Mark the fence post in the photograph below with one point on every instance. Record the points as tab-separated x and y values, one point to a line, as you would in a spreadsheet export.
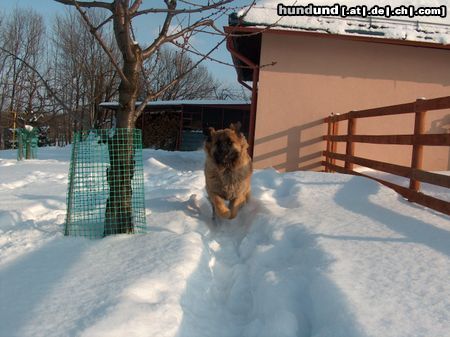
335	131
327	158
417	150
350	146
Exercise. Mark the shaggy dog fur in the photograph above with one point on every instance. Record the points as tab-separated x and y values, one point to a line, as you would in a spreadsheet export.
228	170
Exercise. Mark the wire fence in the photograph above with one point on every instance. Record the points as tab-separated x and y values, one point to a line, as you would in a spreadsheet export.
106	184
27	143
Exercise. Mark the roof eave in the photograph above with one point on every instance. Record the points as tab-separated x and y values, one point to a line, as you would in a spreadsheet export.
353	37
234	33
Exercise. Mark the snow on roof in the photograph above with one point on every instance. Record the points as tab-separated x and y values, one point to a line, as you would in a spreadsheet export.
432	29
182	102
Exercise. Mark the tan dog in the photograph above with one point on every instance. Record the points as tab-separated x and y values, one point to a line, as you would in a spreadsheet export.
228	170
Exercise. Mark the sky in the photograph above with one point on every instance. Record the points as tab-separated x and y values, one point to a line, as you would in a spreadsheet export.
146	27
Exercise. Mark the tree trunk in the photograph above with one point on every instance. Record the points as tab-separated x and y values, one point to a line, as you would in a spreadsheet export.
28	148
2	144
119	208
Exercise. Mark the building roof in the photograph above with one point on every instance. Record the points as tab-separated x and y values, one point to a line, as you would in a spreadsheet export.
195	102
420	31
419	28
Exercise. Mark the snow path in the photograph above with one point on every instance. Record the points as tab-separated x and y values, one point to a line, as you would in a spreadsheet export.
311	255
251	280
272	272
261	281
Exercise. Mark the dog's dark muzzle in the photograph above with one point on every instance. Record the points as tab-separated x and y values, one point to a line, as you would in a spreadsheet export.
219	156
224	156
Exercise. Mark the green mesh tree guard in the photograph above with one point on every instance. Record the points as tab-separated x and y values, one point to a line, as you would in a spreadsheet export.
27	143
106	184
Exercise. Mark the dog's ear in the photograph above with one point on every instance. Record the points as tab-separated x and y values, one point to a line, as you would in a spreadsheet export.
236	127
209	133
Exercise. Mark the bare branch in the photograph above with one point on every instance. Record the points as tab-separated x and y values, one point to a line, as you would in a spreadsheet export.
183	11
97	36
163	37
104	22
175	36
87	4
190	3
152	96
191	49
163	33
135	6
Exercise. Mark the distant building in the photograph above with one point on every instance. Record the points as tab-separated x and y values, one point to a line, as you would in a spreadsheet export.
181	124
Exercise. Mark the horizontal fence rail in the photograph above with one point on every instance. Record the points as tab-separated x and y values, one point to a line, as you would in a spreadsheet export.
417	140
429	140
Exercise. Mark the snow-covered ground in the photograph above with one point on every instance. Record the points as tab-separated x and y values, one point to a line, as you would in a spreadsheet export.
312	254
429	189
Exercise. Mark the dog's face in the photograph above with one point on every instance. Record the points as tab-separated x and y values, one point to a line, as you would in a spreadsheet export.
225	146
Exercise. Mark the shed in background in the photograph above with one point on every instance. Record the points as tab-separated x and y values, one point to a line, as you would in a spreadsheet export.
181	125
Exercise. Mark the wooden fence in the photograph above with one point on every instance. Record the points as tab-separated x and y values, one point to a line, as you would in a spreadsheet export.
417	140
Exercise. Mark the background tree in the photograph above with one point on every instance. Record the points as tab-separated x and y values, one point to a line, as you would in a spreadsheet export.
85	75
3	86
55	78
23	35
169	64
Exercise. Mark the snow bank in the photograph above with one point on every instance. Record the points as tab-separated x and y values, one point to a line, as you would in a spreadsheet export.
312	254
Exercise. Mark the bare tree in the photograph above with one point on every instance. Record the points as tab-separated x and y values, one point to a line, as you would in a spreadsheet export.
177	24
229	92
169	64
22	35
85	75
3	86
122	14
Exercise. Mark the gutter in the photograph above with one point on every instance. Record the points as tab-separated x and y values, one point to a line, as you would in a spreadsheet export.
253	88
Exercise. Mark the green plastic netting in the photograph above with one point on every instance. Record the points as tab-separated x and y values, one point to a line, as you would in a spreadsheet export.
27	143
106	184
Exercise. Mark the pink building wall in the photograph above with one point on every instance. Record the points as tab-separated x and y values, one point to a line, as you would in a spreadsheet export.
314	77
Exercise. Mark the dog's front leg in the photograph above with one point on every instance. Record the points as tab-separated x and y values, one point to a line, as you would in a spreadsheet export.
235	205
219	207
